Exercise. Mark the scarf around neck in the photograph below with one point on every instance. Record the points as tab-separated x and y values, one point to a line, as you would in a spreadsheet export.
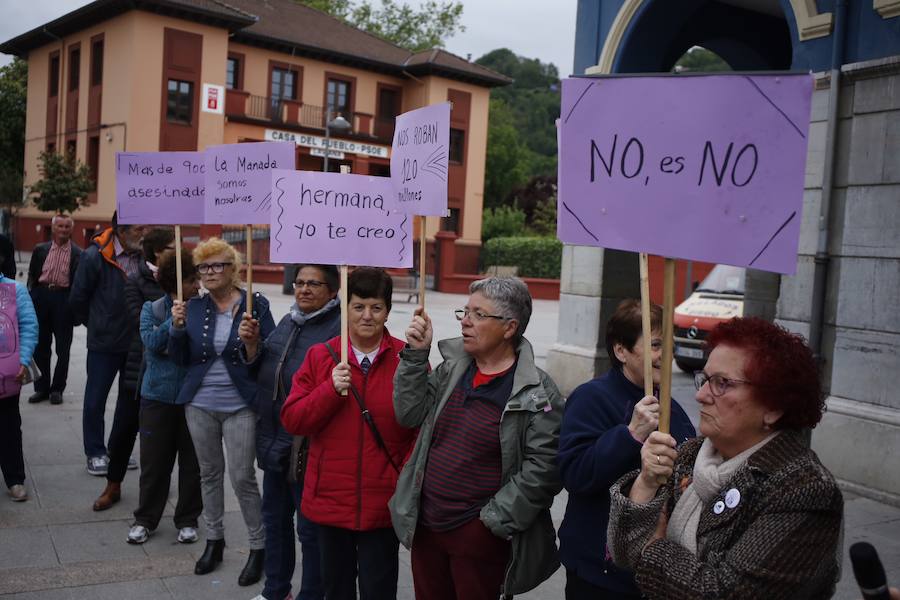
711	473
300	318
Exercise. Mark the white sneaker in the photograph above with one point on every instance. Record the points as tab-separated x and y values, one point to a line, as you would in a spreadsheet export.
187	535
18	493
138	534
97	465
132	463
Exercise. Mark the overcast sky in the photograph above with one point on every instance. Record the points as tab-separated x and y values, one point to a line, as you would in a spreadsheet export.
531	28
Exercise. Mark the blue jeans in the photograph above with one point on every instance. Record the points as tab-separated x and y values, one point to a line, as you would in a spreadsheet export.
279	504
102	368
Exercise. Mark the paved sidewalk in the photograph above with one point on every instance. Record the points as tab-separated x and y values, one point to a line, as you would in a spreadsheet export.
55	547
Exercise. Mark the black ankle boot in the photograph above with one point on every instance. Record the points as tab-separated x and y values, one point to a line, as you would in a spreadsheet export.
212	556
253	569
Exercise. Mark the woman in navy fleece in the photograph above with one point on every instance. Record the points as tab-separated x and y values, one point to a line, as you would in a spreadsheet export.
605	424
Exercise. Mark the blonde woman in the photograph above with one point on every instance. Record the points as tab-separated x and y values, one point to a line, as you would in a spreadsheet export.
221	392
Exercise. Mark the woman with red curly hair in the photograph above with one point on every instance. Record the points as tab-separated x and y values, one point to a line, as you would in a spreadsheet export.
746	510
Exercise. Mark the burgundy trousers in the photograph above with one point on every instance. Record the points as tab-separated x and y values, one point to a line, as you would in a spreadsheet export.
466	563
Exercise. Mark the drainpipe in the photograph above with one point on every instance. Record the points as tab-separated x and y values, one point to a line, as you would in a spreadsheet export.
820	276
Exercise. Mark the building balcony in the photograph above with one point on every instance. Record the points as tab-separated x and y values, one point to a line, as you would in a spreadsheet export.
281	112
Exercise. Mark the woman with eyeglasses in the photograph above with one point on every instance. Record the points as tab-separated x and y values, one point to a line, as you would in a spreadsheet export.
314	318
746	510
607	420
221	394
473	502
356	446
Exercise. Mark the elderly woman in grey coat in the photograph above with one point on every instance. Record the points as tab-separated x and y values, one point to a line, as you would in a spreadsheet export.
746	511
473	500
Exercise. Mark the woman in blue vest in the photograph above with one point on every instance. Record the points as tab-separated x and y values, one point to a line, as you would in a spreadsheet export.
221	396
314	318
604	427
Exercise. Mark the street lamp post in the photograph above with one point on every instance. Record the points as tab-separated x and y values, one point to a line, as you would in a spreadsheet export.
338	124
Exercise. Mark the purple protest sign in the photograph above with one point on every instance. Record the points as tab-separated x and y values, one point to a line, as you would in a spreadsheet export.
9	341
239	180
159	188
331	218
705	168
420	160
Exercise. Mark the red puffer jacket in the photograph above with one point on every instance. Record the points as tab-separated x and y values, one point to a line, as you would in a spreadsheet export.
348	477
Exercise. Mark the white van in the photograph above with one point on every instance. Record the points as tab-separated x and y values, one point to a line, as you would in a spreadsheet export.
719	297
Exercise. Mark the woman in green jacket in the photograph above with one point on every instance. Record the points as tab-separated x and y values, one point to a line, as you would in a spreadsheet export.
473	502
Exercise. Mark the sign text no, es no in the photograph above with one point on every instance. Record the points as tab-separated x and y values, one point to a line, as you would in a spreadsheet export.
238	180
420	157
159	188
705	168
331	218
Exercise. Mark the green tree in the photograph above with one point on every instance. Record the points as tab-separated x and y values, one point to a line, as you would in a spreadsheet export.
532	107
13	96
415	29
508	161
64	185
700	59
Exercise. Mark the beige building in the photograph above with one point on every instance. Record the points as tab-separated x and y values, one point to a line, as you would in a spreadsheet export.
155	75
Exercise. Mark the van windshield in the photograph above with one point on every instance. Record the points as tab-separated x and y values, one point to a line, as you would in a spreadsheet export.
724	279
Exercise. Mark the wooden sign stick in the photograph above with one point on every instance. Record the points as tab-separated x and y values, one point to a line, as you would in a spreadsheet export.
178	274
422	257
646	333
345	332
665	385
250	269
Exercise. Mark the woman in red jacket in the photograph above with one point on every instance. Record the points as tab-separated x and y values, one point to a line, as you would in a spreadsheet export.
354	456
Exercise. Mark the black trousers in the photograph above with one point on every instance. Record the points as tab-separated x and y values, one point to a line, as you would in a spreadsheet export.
579	589
55	317
124	433
12	463
164	435
373	555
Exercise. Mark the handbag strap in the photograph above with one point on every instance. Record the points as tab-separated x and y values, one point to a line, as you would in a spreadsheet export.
366	415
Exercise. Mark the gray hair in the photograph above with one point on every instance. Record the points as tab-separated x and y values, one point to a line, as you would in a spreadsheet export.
510	295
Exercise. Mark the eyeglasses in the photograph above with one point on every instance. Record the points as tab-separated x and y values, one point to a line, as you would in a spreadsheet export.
476	315
718	385
216	267
312	284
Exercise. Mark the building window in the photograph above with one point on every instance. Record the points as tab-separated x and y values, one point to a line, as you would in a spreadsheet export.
179	108
54	76
339	97
284	84
93	157
97	63
71	149
232	72
457	145
74	69
51	147
451	221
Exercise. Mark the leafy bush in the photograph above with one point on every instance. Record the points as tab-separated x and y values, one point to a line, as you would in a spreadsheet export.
503	221
535	256
543	219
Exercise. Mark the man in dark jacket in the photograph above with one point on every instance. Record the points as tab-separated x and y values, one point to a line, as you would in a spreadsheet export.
50	275
141	287
314	318
97	299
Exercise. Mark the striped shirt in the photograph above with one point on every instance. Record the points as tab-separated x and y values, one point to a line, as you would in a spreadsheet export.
130	261
465	466
56	265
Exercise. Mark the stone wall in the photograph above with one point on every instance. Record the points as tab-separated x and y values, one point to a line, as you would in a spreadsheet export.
859	438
